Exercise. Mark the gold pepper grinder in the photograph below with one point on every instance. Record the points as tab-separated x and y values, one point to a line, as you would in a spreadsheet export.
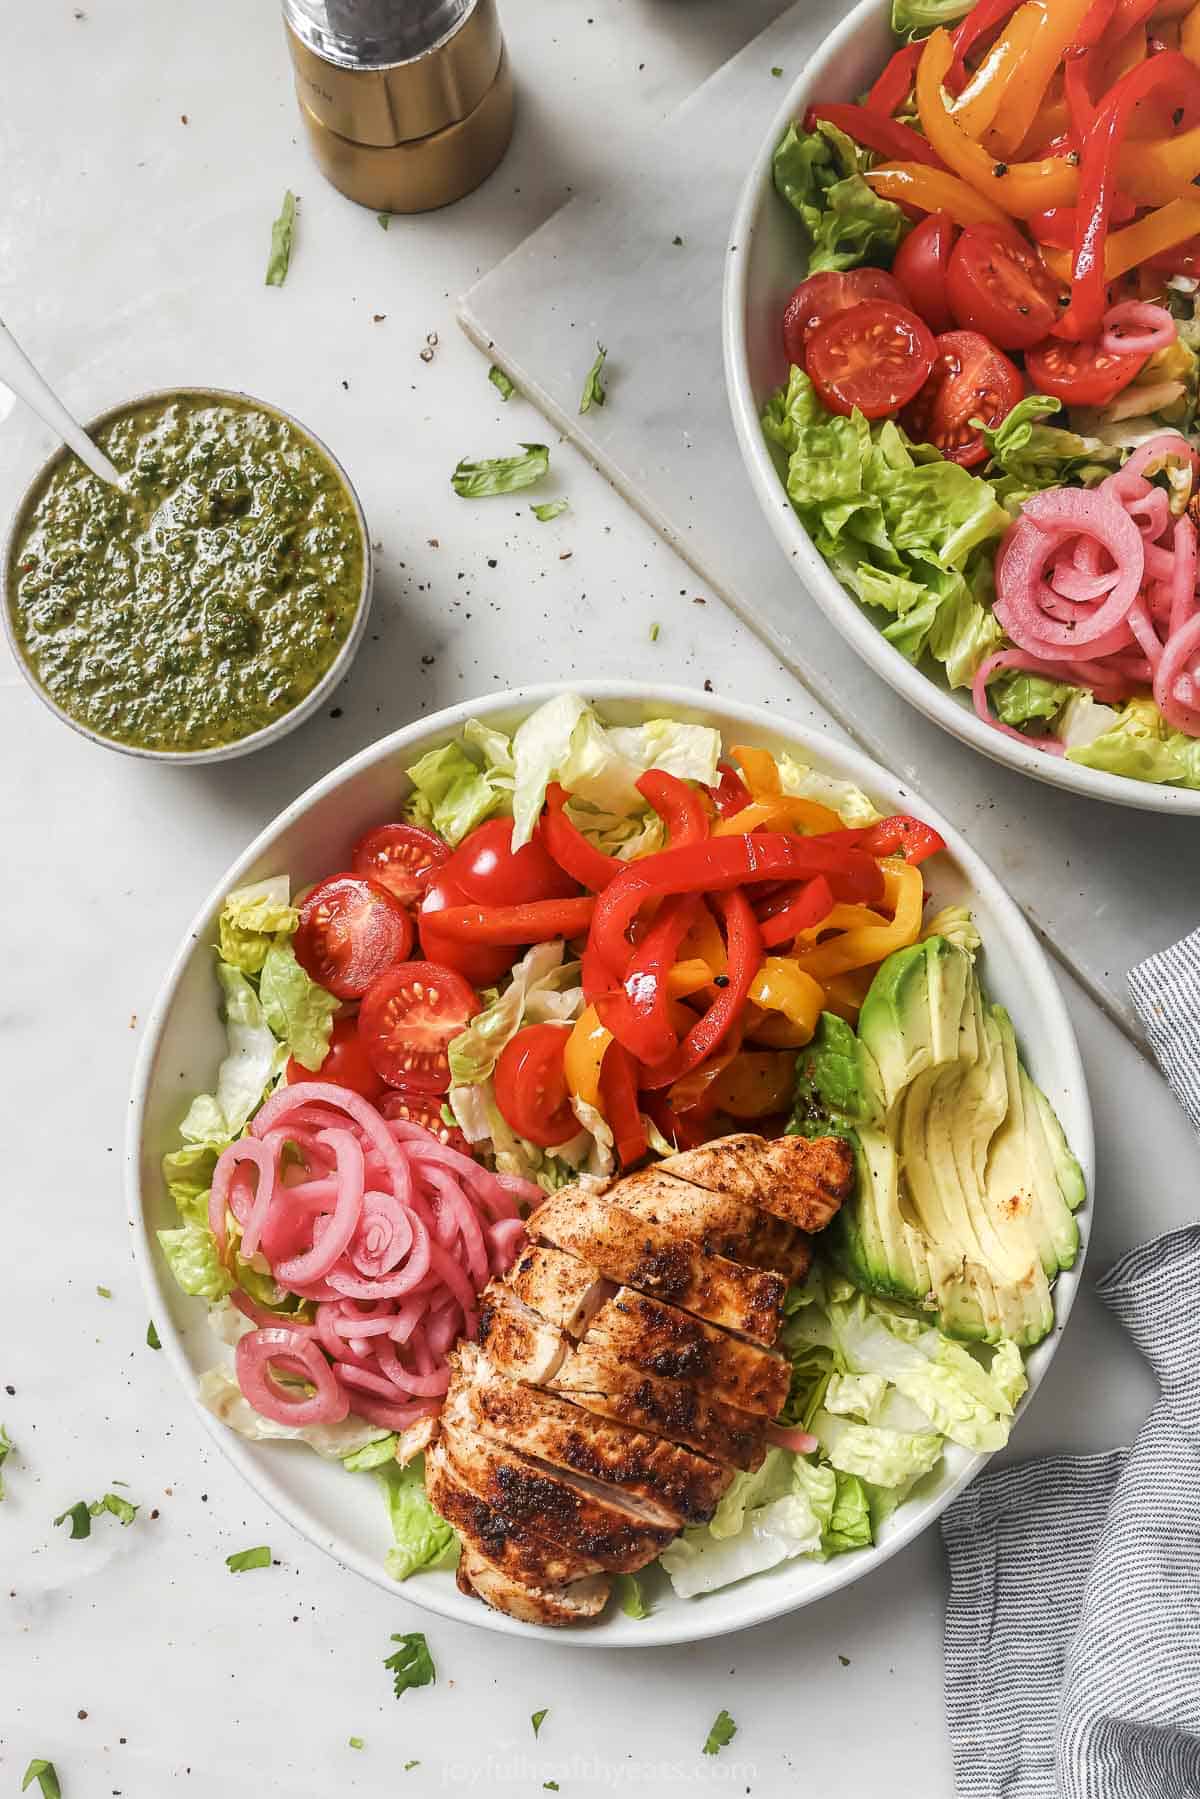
408	104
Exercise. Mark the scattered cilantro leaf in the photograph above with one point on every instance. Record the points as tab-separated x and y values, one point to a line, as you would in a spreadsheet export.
501	383
112	1502
282	233
845	1660
538	1719
383	219
594	392
152	1336
500	474
550	509
630	1598
723	1731
777	71
104	1292
6	1448
654	631
81	1521
550	1786
409	1765
678	242
44	1773
411	1665
245	1559
357	1743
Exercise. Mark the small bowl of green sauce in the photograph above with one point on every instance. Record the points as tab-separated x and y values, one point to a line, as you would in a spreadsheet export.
209	608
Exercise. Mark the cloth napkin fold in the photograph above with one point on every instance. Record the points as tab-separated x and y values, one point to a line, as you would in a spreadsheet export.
1073	1625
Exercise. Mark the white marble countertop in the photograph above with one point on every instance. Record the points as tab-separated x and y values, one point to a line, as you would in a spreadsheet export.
131	253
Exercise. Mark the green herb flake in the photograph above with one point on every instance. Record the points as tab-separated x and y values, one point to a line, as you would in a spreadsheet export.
282	232
44	1773
118	1507
383	220
6	1448
246	1559
410	1765
152	1336
104	1292
538	1719
630	1597
845	1660
357	1743
723	1731
411	1665
594	391
654	631
81	1518
501	383
550	509
550	1786
678	242
501	474
777	71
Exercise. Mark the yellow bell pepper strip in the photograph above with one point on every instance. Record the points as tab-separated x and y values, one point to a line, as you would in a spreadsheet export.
845	993
976	107
1017	188
932	190
756	1084
774	1031
845	918
693	976
1055	28
782	986
584	1056
1153	236
760	771
1189	35
905	892
779	813
704	943
1156	170
1052	123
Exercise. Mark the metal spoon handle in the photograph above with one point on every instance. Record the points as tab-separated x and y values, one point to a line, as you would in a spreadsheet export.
17	372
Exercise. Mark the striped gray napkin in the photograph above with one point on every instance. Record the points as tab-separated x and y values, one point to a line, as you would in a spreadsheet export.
1073	1625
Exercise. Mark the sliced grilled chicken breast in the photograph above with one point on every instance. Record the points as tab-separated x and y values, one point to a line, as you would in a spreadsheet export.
663	1340
508	1543
657	1260
720	1222
593	1377
573	1603
518	1340
800	1179
673	1484
564	1290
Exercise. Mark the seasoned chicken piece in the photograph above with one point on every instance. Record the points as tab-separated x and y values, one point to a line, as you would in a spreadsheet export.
564	1290
517	1339
570	1604
672	1344
593	1377
580	1515
414	1438
658	1261
720	1222
801	1179
510	1545
675	1485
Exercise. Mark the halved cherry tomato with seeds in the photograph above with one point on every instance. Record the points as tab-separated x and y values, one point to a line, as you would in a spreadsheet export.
1081	374
350	930
407	1021
400	858
345	1064
424	1109
531	1085
1003	290
971	379
873	358
920	267
823	296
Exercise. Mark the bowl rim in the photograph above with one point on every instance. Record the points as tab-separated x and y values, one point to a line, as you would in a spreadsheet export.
840	608
266	734
749	1602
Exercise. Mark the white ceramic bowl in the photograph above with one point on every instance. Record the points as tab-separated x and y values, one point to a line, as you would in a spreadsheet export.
184	1042
765	261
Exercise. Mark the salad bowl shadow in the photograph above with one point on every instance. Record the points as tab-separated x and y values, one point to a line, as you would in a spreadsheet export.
184	1043
763	264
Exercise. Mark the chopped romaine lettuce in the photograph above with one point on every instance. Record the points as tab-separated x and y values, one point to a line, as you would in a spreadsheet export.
500	474
915	18
451	794
820	175
252	919
1019	698
1139	742
1028	455
191	1253
544	987
255	1058
298	1011
422	1539
848	801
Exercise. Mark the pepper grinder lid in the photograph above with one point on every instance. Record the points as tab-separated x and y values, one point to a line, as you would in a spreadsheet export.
408	103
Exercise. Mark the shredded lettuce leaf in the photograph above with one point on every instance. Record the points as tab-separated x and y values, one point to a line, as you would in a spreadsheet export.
848	801
298	1011
820	175
255	1058
254	918
221	1395
1141	744
916	18
1028	455
422	1538
500	474
191	1253
452	794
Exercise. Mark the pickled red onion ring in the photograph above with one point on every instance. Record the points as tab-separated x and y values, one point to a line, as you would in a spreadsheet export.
1137	328
291	1099
506	1239
987	668
383	1235
245	1150
800	1442
1029	546
253	1356
343	1220
1183	575
1180	664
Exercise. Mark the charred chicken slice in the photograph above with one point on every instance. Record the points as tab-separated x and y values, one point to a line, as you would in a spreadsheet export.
719	1222
672	1344
593	1377
564	1290
510	1544
800	1179
573	1603
520	1342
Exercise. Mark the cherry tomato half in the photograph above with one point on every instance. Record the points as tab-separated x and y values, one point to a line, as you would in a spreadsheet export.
874	357
971	379
345	1063
998	287
531	1087
920	267
424	1109
407	1020
1081	374
480	963
350	930
822	296
400	858
489	870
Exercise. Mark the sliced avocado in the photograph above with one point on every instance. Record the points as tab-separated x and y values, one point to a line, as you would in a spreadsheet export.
912	1014
1031	1169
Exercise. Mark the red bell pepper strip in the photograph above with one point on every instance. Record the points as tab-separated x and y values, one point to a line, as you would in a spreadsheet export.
899	835
1126	15
887	137
686	1130
532	922
678	805
1098	182
731	795
715	867
1095	26
896	83
744	951
1056	226
793	911
1077	87
571	849
985	16
619	1100
639	1016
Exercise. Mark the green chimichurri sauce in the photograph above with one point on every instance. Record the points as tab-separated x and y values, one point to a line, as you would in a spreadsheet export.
208	601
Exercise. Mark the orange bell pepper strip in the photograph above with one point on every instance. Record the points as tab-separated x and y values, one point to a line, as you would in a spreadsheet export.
976	108
932	190
779	814
1129	248
1189	35
1153	171
760	771
1171	9
845	993
905	892
1017	188
1054	28
583	1056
